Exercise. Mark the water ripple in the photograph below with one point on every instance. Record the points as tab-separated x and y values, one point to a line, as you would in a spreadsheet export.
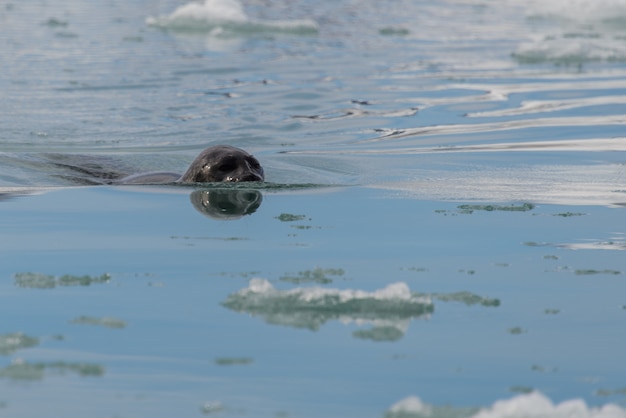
504	126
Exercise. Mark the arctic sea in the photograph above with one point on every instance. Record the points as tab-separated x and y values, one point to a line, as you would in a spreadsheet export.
441	232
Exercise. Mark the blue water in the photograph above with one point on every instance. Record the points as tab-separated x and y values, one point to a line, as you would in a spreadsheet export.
441	232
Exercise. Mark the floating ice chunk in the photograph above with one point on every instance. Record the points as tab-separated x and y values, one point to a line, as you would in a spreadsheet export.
257	285
575	31
9	343
220	17
531	405
199	13
538	405
310	307
394	291
212	407
581	10
411	405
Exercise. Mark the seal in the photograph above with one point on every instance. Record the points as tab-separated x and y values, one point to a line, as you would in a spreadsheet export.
219	163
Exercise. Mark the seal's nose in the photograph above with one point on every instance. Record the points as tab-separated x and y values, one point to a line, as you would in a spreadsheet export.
249	177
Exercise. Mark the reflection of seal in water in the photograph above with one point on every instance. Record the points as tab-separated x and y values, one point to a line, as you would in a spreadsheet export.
226	204
219	163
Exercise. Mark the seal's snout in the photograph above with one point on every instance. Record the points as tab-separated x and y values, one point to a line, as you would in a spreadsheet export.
249	177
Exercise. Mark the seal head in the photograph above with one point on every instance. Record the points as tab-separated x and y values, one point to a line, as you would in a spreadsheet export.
223	163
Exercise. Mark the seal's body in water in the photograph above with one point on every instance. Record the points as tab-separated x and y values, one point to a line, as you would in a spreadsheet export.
219	163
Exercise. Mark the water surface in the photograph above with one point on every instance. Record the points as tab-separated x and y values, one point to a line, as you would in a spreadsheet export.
441	233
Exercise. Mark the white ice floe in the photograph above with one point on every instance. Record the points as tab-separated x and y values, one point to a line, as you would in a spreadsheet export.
201	13
411	405
394	292
218	17
575	31
530	405
538	405
309	307
579	10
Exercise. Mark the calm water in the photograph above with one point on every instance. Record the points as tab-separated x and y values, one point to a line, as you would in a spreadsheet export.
442	231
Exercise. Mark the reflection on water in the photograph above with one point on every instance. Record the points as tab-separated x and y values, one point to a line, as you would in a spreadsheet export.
9	343
616	242
103	322
317	275
466	298
22	370
45	281
233	361
226	204
584	184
